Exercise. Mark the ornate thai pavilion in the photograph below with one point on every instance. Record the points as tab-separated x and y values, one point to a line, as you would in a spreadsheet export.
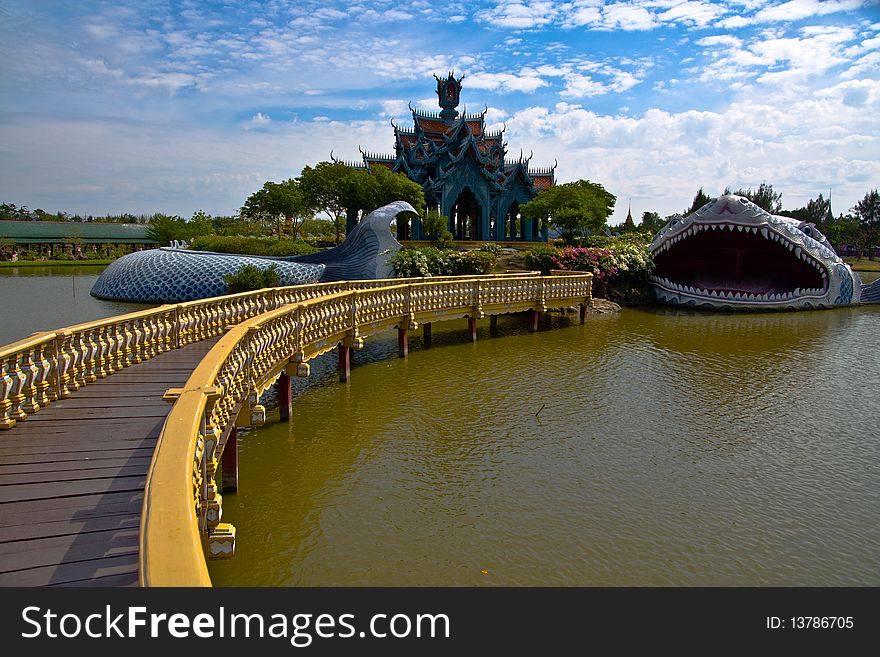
464	171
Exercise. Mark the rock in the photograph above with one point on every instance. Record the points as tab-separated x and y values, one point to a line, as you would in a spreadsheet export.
601	306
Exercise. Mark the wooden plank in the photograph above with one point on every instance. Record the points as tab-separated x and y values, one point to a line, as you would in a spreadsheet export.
70	466
70	509
39	552
108	401
125	579
62	453
73	475
25	432
88	570
98	413
128	519
24	492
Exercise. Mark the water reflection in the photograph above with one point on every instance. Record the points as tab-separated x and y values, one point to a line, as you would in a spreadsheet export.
46	298
669	449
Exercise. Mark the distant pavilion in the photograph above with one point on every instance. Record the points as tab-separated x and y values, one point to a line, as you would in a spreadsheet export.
49	238
464	173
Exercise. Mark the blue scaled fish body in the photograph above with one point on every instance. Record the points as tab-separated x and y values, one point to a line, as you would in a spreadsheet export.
169	275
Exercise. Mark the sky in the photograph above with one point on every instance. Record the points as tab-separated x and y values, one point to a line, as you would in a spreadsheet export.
175	107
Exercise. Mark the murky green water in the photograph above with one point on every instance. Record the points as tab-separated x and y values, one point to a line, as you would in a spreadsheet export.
45	298
653	447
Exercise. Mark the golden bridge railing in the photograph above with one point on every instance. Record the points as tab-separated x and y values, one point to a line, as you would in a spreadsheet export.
49	366
181	521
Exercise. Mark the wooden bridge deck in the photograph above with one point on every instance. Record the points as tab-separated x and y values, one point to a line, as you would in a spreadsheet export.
72	477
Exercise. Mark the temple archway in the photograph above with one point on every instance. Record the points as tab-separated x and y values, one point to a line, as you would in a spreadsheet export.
512	220
465	216
404	227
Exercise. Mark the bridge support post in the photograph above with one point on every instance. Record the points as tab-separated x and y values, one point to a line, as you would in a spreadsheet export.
229	462
583	309
493	325
403	342
426	333
534	318
284	397
344	363
472	328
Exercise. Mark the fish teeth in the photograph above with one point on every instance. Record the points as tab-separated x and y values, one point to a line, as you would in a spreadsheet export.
765	233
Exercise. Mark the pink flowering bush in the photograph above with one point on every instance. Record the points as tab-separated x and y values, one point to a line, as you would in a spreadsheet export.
619	271
599	262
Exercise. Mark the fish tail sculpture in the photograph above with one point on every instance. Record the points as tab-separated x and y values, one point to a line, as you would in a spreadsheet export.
732	255
171	275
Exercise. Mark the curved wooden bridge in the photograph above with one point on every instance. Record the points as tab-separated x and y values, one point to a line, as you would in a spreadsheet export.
101	483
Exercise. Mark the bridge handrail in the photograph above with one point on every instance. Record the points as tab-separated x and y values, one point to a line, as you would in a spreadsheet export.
182	506
47	366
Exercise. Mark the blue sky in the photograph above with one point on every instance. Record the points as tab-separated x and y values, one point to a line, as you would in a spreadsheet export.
109	107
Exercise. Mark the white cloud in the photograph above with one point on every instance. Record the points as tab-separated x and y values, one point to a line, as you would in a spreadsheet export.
660	158
505	82
519	15
261	120
798	9
720	40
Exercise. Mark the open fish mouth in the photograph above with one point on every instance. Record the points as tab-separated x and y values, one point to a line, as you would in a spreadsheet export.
737	262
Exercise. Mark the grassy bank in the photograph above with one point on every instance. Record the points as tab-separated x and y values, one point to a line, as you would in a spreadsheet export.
6	264
863	265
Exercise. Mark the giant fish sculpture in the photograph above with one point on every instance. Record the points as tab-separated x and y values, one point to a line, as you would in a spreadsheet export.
169	275
732	255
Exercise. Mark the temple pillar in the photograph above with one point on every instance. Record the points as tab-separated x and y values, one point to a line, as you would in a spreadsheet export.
344	363
403	342
284	397
534	318
583	313
472	328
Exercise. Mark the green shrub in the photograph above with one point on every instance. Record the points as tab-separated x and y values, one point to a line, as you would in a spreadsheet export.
431	261
251	245
250	277
491	247
607	242
445	240
541	258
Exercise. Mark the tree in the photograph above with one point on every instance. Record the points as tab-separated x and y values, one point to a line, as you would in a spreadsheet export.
651	223
163	229
764	197
867	213
200	224
392	187
699	201
325	187
842	230
282	204
816	211
9	212
363	191
572	207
